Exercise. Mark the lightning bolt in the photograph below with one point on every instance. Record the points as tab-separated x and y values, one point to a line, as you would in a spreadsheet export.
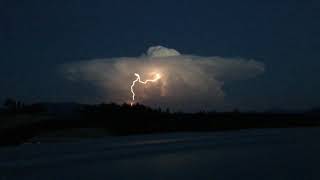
138	79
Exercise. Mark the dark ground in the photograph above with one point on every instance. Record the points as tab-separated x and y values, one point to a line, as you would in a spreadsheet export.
21	123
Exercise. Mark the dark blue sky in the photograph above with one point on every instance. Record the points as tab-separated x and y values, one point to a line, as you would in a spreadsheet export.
37	36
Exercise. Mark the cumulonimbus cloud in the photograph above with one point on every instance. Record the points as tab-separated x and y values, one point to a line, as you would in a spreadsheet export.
188	82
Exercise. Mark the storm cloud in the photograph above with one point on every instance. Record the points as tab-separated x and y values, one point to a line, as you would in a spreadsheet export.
188	82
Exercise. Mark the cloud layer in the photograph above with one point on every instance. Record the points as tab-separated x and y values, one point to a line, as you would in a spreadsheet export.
188	82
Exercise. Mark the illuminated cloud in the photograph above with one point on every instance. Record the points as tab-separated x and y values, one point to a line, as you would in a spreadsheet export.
188	82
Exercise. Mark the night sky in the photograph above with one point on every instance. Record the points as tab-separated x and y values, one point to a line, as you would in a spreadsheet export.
36	37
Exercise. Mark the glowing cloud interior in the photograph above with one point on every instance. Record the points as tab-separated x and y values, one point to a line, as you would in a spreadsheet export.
174	80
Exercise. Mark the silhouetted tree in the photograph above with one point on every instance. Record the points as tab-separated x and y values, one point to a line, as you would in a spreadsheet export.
10	104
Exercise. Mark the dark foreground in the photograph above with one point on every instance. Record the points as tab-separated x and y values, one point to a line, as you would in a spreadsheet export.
20	124
291	153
